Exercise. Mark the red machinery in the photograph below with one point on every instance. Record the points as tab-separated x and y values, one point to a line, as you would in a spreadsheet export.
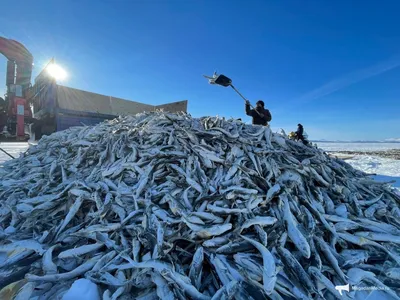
15	111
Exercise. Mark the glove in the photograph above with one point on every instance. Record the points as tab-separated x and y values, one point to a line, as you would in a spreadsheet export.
261	115
247	102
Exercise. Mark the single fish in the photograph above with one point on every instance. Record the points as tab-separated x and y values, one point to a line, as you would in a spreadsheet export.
49	267
86	266
195	272
269	270
318	276
262	221
80	250
294	234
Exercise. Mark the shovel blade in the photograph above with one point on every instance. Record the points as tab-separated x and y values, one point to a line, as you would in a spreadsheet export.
223	80
219	79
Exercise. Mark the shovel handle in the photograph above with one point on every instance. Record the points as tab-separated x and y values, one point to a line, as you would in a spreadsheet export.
245	99
4	151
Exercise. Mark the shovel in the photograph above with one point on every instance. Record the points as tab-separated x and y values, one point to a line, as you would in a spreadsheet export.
224	81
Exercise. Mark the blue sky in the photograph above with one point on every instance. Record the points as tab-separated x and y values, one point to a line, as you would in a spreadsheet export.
331	65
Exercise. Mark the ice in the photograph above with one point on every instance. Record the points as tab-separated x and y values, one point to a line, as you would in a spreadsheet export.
386	169
383	178
82	289
358	146
376	165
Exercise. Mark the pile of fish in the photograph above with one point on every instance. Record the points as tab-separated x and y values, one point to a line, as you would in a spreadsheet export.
166	206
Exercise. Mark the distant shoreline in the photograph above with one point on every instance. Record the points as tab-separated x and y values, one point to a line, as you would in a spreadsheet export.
392	153
354	142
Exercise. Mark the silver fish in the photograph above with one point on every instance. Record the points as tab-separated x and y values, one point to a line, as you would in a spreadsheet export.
269	270
294	234
195	271
262	221
318	276
49	267
88	265
108	199
80	250
163	290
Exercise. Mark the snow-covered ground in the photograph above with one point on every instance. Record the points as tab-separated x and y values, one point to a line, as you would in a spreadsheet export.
385	168
365	147
12	148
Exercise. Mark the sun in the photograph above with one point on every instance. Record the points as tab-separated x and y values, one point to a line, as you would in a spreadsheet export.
56	71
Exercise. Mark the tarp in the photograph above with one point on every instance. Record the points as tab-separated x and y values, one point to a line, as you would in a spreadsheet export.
66	118
78	100
173	107
126	107
83	101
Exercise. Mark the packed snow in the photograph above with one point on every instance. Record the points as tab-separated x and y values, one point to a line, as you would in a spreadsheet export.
364	147
387	170
14	149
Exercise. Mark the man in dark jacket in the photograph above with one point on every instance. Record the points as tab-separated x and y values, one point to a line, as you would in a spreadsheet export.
300	134
261	116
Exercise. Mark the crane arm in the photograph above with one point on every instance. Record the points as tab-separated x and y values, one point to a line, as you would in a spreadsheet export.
15	51
19	56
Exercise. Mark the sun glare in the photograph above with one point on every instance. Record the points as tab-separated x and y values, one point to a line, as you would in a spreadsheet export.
57	72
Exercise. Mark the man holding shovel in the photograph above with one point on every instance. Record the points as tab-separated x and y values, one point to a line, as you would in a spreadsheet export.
260	115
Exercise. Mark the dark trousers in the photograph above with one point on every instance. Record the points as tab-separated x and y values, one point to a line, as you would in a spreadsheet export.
37	128
301	138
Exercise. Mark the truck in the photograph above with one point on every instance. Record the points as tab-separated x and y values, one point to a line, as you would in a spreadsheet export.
30	111
15	111
57	107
